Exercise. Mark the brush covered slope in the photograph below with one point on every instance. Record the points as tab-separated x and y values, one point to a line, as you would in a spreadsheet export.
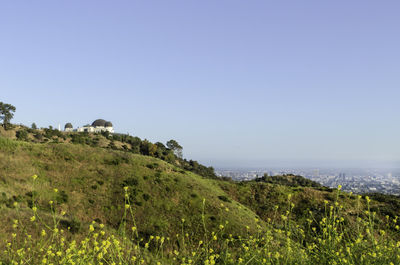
124	142
90	186
280	220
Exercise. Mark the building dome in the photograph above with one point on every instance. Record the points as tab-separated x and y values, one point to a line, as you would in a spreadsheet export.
99	123
68	126
108	124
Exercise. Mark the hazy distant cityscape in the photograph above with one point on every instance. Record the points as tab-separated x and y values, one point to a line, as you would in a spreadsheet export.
353	179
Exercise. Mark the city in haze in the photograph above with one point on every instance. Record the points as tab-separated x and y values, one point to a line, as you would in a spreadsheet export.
356	180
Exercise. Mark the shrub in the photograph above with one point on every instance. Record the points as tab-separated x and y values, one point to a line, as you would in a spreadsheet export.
72	225
146	196
62	197
224	198
152	166
130	182
100	182
38	136
22	135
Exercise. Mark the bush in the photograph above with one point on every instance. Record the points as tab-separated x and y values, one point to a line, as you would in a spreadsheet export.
130	182
38	136
117	159
22	135
224	198
72	226
62	197
152	166
50	133
146	196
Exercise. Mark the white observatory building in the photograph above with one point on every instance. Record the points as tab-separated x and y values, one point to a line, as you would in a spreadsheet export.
97	126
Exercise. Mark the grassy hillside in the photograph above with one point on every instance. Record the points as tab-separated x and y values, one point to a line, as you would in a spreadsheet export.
90	184
280	220
123	142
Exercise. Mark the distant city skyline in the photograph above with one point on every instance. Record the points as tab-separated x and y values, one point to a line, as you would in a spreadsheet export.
361	180
305	83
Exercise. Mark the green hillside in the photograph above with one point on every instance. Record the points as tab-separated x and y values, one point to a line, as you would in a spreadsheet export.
90	184
280	220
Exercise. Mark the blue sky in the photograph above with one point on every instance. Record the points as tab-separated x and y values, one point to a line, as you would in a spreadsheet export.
237	83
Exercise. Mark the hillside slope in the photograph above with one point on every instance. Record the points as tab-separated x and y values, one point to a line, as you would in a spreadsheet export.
90	182
132	144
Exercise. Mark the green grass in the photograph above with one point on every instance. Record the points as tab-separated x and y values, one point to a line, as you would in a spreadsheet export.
44	240
262	222
91	180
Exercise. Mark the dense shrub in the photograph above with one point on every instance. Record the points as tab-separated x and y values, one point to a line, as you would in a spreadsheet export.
62	197
22	135
289	180
130	182
146	196
224	198
50	133
38	136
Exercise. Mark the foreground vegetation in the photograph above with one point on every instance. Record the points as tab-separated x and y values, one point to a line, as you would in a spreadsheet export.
328	241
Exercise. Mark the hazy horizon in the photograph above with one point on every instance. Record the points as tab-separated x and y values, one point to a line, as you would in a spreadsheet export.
287	164
236	83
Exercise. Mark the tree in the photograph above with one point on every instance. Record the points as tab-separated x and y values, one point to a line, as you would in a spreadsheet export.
175	147
33	126
22	135
6	113
147	148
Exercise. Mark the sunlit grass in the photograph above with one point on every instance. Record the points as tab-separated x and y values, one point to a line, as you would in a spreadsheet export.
327	240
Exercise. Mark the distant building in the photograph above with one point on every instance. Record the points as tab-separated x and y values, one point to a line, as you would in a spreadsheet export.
68	127
97	126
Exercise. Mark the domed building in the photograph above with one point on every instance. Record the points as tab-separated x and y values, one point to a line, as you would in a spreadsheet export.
68	127
99	123
97	126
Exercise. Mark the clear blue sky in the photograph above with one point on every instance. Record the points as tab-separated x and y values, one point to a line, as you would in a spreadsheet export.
237	83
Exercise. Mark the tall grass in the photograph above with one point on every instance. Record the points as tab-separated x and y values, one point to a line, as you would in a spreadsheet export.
336	238
7	144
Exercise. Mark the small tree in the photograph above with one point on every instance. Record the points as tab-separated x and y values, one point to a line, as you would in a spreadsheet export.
147	148
175	147
6	113
22	135
33	126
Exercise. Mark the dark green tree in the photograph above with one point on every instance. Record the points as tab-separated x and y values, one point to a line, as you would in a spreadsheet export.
22	135
6	113
33	126
175	147
147	148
